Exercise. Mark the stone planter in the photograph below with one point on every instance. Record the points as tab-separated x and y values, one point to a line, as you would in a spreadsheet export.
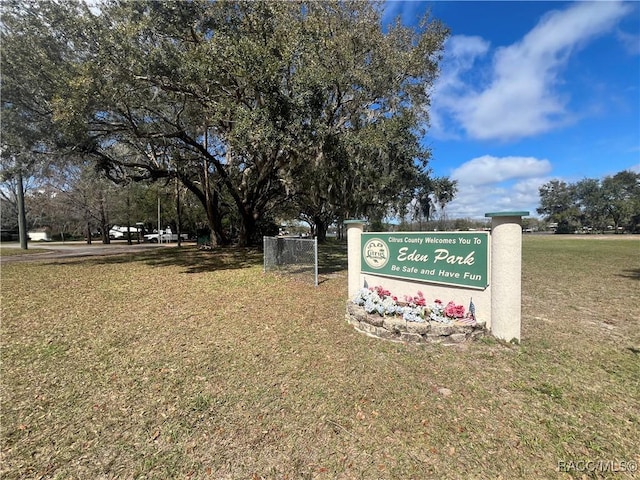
395	328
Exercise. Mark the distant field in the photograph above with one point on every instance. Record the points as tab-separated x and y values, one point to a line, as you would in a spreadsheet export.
178	363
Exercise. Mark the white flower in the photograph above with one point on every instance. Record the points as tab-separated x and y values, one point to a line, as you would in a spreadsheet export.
372	302
389	306
370	306
412	314
362	296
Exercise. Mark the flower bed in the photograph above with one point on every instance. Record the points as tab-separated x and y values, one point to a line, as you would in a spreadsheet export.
376	312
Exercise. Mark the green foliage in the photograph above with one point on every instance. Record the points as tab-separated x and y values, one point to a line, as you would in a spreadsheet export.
621	193
557	202
251	105
592	204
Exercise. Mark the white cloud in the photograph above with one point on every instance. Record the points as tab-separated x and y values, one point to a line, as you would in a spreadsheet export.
519	97
409	12
489	184
488	169
630	41
462	53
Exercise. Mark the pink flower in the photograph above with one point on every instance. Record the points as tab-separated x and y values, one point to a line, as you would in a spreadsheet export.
418	301
382	292
454	311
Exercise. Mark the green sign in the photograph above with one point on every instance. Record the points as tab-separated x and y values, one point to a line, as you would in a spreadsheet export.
447	258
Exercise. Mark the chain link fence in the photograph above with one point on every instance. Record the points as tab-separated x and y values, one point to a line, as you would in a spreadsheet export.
292	256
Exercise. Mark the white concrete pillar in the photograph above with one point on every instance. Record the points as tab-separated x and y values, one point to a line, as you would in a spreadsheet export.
506	274
354	256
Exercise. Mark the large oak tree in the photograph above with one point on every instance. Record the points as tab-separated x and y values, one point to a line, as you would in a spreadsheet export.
251	105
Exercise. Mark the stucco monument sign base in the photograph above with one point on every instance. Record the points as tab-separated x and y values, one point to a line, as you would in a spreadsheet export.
479	268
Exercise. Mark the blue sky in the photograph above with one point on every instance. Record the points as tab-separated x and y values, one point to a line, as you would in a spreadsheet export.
529	92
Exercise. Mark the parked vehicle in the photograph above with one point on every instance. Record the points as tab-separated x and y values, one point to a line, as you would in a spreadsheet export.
118	233
165	236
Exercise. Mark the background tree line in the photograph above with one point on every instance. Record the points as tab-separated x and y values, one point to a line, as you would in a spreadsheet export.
597	205
82	203
260	110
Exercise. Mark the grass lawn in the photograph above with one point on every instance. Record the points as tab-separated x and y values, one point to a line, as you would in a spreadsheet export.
10	251
180	363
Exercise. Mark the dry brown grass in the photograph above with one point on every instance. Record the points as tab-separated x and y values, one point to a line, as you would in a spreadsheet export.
188	364
13	251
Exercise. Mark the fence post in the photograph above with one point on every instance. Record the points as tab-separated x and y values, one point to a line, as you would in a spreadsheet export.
506	274
354	232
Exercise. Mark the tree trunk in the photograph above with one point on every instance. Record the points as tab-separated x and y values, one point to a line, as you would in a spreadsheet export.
320	229
22	217
214	220
88	233
247	229
210	200
104	224
178	213
128	218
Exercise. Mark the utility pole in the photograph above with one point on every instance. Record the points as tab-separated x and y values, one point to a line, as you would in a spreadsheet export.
159	231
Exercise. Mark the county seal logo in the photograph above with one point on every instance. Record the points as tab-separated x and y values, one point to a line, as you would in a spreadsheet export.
376	253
